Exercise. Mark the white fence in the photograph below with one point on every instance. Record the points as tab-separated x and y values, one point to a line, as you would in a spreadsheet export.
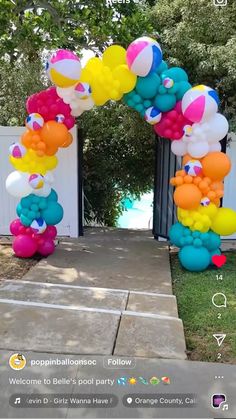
230	181
66	183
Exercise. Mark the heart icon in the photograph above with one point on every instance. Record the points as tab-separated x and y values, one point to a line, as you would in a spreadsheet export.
219	260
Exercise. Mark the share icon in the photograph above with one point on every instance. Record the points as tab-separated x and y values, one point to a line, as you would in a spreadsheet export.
220	337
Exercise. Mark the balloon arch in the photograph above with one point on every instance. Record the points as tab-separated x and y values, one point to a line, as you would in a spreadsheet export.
185	115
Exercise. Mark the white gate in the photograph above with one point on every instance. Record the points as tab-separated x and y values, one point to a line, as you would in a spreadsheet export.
230	180
66	183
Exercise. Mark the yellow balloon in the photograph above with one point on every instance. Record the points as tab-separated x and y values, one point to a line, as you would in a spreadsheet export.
94	66
32	163
126	78
200	219
86	76
224	223
114	56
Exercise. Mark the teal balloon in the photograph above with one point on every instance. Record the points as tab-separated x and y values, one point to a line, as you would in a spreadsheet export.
147	87
175	73
26	202
162	67
137	99
147	103
35	199
165	102
194	259
213	253
213	241
52	196
176	234
183	87
19	209
43	204
53	214
25	220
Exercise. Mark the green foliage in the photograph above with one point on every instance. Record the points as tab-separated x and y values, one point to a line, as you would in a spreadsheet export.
118	160
201	38
18	81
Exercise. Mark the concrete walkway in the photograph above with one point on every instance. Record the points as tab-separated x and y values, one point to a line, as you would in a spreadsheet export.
106	293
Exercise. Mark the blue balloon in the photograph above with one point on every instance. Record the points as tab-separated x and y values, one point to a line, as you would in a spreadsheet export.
162	67
176	233
52	196
213	241
53	214
194	259
165	102
147	87
18	209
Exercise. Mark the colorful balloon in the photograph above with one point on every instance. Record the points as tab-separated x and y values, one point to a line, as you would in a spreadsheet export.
63	68
152	115
193	168
34	121
36	181
200	103
17	150
38	226
83	91
143	56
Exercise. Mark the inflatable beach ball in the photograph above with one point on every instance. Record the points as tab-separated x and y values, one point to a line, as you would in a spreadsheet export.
36	181
193	168
17	150
205	202
34	121
200	103
60	118
38	226
153	115
144	55
83	91
64	68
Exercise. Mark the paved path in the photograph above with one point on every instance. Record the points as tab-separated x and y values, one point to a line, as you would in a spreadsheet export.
106	293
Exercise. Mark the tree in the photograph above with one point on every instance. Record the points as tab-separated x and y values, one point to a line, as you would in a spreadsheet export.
200	37
118	160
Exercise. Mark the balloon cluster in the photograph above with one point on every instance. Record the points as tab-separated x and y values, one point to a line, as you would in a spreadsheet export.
187	116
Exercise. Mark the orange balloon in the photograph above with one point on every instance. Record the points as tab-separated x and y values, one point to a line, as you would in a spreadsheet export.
187	196
54	134
216	165
26	138
69	141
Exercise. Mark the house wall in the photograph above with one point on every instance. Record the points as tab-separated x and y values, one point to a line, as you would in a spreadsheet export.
66	183
229	200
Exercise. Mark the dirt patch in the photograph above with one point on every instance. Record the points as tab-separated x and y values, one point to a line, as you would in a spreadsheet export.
12	267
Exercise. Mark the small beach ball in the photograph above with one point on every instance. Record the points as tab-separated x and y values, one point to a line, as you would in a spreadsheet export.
168	82
64	68
205	201
60	118
38	226
144	55
34	121
153	115
83	91
17	150
193	167
36	181
200	103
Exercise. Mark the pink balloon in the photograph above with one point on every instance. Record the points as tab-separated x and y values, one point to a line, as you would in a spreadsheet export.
48	104
15	227
24	246
46	247
172	123
49	233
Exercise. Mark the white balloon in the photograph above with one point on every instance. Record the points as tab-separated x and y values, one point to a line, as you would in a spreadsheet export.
214	147
179	148
17	184
49	177
86	104
218	128
198	150
44	191
77	112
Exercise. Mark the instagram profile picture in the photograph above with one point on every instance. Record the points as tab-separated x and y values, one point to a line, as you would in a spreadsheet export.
17	361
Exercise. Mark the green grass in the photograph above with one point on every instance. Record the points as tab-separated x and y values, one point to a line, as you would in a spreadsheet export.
194	293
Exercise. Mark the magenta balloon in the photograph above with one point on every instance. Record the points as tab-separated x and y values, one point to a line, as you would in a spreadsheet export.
46	247
15	227
24	246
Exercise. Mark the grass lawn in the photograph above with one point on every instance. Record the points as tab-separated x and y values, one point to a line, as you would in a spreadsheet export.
194	293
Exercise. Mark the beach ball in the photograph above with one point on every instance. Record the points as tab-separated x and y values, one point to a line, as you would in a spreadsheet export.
205	201
200	103
17	150
34	121
153	115
38	226
60	118
193	168
168	82
144	55
64	68
83	91
36	181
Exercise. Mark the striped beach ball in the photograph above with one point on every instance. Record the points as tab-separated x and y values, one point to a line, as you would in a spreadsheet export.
144	55
64	68
153	115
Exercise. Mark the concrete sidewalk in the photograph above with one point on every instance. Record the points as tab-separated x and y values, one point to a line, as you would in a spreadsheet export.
106	293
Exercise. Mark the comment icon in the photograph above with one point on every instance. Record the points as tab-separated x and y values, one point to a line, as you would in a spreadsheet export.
219	300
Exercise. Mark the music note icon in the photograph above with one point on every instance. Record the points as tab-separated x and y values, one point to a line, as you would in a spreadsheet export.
17	400
225	407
